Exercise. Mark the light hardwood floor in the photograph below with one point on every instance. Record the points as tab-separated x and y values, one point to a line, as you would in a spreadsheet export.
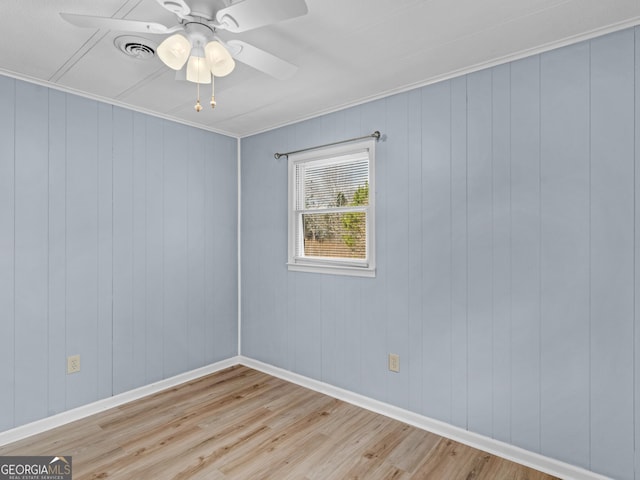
244	424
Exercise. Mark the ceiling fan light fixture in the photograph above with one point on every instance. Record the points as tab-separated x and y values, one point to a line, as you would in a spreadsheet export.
219	59
174	51
195	54
197	70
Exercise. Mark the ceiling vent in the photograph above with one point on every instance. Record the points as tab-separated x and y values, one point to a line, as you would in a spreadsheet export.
136	47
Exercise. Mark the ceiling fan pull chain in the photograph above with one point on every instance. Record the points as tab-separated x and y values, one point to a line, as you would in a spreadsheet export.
213	98
198	107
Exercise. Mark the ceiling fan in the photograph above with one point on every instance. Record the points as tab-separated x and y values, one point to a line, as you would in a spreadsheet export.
194	41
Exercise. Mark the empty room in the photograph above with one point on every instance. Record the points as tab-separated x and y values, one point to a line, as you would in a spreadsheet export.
320	239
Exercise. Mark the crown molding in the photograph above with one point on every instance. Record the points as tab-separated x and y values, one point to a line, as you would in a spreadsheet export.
512	57
110	101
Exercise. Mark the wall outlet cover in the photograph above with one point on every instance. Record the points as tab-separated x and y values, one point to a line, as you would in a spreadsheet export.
394	362
73	364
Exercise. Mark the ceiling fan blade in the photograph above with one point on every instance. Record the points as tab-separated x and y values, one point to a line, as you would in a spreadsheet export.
179	7
261	60
250	14
120	24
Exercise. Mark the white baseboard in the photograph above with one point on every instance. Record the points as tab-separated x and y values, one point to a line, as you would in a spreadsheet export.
72	415
496	447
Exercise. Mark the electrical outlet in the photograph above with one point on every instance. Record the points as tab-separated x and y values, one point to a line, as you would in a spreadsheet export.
394	362
73	364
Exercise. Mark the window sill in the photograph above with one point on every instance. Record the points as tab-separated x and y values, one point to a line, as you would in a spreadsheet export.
332	269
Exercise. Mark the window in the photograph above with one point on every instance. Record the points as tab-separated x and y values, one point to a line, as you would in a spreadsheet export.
331	210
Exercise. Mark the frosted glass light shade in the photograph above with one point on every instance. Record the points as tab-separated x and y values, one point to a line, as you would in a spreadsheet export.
219	59
198	70
174	51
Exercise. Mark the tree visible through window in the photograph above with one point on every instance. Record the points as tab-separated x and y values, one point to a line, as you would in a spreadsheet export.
354	224
331	216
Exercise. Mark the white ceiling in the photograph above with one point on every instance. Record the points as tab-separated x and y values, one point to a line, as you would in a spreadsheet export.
347	51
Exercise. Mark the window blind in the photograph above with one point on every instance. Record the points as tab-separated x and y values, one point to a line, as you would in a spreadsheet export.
331	207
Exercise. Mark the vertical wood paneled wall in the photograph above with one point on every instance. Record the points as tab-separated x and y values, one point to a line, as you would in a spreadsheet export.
507	246
118	241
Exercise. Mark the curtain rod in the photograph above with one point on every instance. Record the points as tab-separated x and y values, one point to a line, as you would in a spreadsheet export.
375	135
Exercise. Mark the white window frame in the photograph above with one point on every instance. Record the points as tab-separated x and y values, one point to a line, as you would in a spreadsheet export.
333	265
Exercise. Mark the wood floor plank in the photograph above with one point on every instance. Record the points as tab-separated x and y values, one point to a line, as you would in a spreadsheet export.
373	458
451	459
415	446
241	424
339	460
281	443
341	428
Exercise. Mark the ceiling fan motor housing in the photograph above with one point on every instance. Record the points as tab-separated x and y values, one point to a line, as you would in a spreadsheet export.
199	33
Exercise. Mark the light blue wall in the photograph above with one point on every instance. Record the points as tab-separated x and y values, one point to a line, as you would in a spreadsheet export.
507	256
118	242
